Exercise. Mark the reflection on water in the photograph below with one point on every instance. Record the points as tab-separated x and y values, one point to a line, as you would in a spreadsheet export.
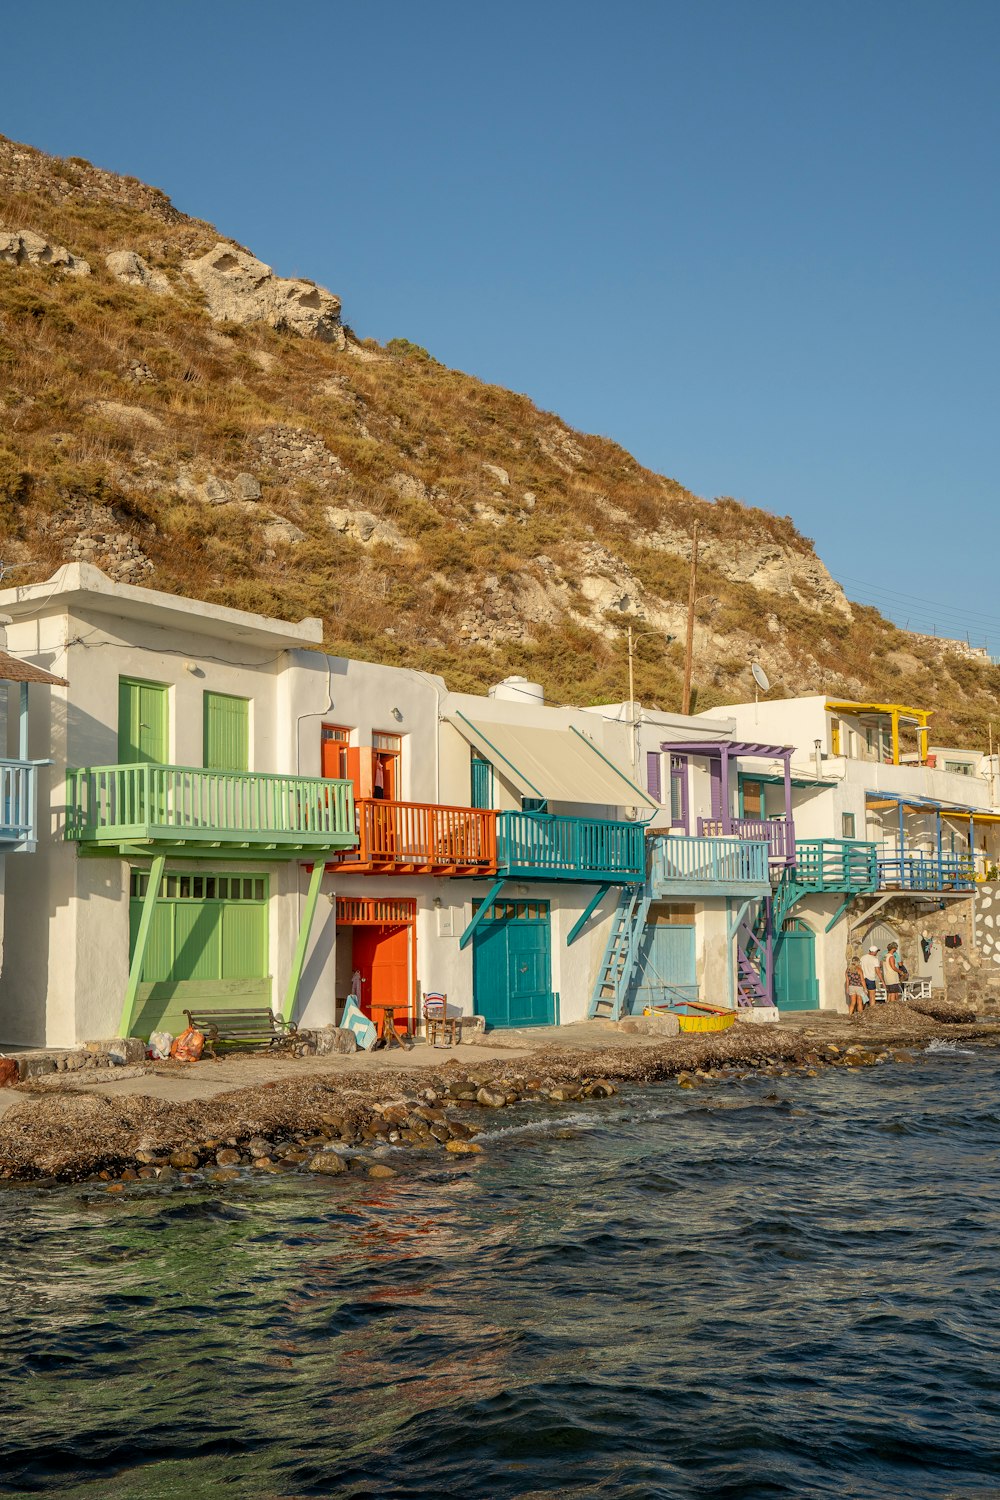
698	1294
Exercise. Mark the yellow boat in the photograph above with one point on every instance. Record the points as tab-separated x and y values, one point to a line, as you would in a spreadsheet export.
706	1023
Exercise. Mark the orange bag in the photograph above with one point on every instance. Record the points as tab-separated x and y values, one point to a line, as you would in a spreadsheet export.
188	1046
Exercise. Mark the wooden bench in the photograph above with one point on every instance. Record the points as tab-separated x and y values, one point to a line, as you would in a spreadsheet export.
253	1024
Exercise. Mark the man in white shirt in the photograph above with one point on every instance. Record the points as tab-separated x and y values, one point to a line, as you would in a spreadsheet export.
871	968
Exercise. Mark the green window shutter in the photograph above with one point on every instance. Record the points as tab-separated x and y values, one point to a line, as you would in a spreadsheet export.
227	732
482	782
142	722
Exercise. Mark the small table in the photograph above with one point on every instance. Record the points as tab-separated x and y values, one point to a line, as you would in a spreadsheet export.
387	1032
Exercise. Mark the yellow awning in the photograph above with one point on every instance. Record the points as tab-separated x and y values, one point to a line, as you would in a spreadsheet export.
559	765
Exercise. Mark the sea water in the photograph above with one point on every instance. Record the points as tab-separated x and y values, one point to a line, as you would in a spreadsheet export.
776	1287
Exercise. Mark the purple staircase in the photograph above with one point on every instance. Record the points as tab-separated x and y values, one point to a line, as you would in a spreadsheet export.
754	965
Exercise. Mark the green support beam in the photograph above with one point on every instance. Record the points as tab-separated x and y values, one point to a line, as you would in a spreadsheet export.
840	911
141	940
302	941
588	911
480	913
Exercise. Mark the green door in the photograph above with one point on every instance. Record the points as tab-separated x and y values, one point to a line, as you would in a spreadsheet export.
227	732
511	965
207	945
142	722
795	984
666	967
482	782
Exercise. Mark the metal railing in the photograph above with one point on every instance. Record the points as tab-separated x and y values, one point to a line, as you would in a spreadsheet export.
108	803
920	871
698	860
18	801
545	845
775	832
423	835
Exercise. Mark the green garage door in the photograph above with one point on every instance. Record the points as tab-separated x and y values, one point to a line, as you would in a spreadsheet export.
208	945
511	966
795	984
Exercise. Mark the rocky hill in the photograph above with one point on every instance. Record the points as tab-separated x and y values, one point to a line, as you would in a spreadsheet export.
181	416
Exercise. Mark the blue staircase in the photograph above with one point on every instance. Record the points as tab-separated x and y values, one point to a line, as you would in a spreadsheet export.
617	972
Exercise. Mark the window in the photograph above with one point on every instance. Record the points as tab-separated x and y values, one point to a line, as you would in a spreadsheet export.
534	804
334	741
387	754
482	781
679	792
753	799
202	887
847	826
958	767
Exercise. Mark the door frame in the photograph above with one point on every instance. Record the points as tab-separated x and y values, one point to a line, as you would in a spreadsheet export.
489	924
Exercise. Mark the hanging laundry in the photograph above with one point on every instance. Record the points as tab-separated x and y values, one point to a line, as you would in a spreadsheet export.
926	947
953	940
379	777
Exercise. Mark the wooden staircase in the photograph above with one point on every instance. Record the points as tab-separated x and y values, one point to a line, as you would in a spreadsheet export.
617	972
754	976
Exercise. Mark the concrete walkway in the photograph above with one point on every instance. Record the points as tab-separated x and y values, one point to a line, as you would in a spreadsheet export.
180	1082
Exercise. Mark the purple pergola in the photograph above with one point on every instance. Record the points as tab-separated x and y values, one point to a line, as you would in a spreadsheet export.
779	835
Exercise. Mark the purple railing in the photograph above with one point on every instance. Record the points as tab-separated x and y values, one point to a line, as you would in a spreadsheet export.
777	834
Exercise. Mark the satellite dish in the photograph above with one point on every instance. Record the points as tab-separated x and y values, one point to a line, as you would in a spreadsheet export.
760	677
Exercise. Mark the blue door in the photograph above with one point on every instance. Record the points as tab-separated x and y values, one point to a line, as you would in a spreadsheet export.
511	965
795	983
666	967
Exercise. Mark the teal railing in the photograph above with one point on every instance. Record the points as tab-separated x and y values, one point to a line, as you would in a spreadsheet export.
836	865
113	803
547	847
18	802
696	862
920	871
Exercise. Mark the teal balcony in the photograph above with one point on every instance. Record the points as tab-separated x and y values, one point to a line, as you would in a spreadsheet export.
186	809
705	866
541	846
848	866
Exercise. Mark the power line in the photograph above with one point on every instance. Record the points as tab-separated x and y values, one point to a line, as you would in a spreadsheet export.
921	600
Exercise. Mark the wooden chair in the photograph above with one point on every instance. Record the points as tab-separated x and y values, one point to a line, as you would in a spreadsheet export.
437	1021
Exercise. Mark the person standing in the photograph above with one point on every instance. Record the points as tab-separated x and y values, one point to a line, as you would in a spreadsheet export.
854	986
871	968
892	978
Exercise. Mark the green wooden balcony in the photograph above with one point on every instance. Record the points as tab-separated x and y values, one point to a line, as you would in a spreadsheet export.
190	810
542	846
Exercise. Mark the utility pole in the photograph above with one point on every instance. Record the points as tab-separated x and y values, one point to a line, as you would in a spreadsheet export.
631	677
689	646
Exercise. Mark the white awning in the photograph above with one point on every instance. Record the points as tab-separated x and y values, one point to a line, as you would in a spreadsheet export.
559	765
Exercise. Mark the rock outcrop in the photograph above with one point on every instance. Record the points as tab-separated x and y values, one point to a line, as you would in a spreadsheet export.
241	289
23	247
130	269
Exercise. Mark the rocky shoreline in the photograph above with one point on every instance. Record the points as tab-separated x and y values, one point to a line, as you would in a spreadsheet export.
342	1125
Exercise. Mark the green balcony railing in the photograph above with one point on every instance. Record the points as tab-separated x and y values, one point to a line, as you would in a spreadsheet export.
187	804
692	865
542	846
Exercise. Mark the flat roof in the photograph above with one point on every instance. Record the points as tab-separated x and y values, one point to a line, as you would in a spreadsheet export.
83	585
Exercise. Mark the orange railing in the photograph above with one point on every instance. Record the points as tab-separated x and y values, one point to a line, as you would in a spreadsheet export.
419	836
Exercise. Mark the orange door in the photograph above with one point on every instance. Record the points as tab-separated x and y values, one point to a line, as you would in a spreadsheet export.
382	958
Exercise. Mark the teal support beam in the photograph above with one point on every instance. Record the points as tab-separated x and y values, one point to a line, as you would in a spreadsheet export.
302	941
741	913
480	913
588	911
839	912
141	940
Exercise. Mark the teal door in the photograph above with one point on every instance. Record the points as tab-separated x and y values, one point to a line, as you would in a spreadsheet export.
666	967
795	983
511	965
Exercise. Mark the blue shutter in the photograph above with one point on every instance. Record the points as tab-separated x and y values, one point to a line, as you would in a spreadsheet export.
653	773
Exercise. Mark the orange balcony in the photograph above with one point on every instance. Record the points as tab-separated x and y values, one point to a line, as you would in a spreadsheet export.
418	838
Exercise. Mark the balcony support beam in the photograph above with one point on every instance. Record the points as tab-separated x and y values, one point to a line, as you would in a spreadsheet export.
302	941
141	941
840	911
587	913
480	913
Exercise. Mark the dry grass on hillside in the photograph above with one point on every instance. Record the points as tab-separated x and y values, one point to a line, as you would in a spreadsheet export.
120	405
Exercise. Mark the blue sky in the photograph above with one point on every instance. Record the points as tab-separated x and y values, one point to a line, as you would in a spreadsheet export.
756	243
